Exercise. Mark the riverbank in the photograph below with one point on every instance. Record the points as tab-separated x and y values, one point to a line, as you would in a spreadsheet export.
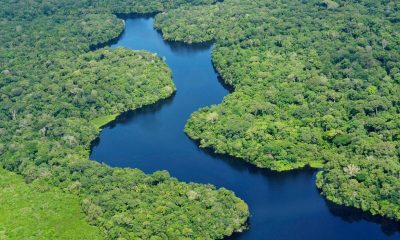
152	139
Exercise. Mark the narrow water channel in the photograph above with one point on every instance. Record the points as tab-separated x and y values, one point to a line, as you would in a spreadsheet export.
283	205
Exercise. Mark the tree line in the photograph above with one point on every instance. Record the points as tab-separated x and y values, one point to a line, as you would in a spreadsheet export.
55	92
316	84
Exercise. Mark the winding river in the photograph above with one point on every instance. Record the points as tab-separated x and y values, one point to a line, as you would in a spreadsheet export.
283	205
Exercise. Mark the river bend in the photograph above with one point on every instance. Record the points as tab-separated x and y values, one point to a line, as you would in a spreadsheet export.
282	205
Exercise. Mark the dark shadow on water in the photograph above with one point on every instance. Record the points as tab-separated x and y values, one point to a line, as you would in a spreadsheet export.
228	87
242	165
110	42
182	48
129	116
351	215
178	47
274	177
116	39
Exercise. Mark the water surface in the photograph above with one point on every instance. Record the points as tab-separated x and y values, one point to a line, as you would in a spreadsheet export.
282	205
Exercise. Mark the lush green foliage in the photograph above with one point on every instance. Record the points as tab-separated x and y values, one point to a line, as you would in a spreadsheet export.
103	120
55	94
40	212
315	82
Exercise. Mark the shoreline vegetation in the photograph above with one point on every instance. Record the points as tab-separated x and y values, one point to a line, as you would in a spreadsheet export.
49	60
315	84
100	122
296	99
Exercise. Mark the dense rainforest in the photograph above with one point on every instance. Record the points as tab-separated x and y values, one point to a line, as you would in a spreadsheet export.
57	88
28	212
316	83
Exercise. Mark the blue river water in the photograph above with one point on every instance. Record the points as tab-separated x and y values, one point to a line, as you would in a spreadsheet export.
282	205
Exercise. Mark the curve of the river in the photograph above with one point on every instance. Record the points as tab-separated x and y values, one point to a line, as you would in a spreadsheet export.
282	205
